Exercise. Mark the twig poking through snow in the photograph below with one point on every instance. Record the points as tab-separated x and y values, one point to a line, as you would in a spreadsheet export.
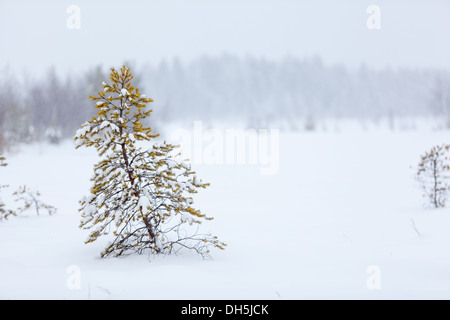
104	290
413	224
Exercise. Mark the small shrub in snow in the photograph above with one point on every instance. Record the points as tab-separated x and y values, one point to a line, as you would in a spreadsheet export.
28	197
140	196
3	161
4	213
433	174
31	200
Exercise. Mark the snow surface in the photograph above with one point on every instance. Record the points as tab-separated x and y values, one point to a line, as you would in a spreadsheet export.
340	203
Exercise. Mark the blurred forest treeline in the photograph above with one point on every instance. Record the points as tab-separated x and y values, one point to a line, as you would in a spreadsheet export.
288	94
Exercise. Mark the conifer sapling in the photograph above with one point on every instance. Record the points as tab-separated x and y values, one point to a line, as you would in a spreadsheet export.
141	196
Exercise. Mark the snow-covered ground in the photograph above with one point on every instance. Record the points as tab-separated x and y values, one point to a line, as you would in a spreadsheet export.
341	204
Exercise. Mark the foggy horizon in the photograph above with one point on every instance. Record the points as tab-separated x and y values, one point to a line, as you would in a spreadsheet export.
36	37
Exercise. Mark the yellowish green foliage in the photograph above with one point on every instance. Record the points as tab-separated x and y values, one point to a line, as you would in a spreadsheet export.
4	213
121	107
433	173
31	200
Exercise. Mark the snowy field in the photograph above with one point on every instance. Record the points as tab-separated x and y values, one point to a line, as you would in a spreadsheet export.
342	204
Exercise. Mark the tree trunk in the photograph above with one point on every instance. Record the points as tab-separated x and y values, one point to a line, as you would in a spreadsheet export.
148	224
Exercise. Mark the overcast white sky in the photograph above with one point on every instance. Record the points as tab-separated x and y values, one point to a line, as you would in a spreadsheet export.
34	35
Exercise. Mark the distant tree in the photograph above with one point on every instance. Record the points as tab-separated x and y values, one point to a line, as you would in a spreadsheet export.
15	126
440	97
433	173
53	135
310	123
142	196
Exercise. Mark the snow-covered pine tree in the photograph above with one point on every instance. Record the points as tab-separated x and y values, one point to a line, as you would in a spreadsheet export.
141	196
433	173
